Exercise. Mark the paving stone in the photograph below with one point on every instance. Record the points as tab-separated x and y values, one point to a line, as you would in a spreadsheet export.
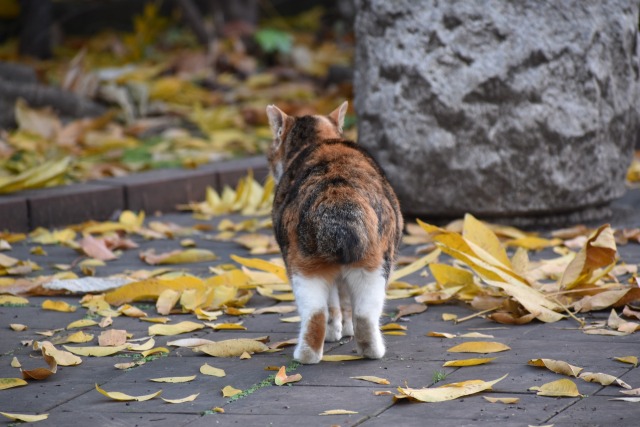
89	417
598	411
14	213
72	204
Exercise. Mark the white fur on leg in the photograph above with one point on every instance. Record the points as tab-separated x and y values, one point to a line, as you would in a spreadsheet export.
345	307
367	289
312	295
334	322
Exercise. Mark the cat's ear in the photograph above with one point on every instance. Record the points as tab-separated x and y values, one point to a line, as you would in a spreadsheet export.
338	115
276	120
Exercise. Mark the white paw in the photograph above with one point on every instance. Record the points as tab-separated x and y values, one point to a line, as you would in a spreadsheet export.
306	355
347	328
334	332
371	349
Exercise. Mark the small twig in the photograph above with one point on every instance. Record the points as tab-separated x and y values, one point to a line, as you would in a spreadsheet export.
480	313
580	321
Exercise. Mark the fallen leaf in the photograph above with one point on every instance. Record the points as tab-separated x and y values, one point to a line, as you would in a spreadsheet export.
372	379
190	342
560	388
41	373
6	383
167	299
469	362
406	310
633	360
147	345
207	369
449	391
598	253
18	327
155	350
95	351
282	377
15	363
293	319
475	335
173	379
340	357
604	379
178	328
263	265
112	338
449	317
245	355
414	266
13	300
25	418
189	398
58	306
557	366
226	326
232	348
230	391
338	412
96	248
441	335
505	400
82	323
187	256
122	397
479	347
627	399
62	358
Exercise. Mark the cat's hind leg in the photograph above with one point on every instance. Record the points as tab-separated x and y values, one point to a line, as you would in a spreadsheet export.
334	323
345	308
312	295
367	290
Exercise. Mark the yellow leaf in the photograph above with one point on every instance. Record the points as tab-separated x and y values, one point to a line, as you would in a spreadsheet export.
207	369
278	309
150	289
604	379
178	328
338	412
95	351
599	252
372	379
13	300
534	243
189	398
154	351
162	320
116	395
263	265
58	306
477	233
167	299
25	417
414	266
505	400
633	360
475	335
131	311
449	316
179	257
15	363
440	335
340	357
112	338
449	391
293	319
282	377
62	358
6	383
226	326
173	379
18	327
557	366
559	388
479	347
230	391
82	323
232	348
468	362
148	345
393	327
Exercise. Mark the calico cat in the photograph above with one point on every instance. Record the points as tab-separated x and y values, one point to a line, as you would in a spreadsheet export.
338	224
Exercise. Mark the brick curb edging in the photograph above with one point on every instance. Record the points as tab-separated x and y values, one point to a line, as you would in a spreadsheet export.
157	190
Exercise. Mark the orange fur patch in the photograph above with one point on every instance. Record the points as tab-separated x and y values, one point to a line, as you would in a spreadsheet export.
314	335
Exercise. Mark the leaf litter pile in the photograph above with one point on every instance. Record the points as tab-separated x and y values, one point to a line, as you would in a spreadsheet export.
168	102
498	271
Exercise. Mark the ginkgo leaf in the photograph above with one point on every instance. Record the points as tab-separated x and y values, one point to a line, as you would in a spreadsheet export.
173	379
232	348
6	383
449	391
479	347
263	265
604	379
229	391
123	397
207	369
560	388
505	400
189	398
338	412
633	360
58	306
557	366
282	378
95	351
178	328
340	357
469	362
372	379
26	418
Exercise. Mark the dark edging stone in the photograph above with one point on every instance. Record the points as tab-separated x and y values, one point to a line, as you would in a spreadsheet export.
153	191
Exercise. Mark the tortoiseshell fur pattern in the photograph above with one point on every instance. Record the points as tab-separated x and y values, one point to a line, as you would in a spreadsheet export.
338	224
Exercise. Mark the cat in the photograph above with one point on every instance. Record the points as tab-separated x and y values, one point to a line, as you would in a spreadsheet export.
338	224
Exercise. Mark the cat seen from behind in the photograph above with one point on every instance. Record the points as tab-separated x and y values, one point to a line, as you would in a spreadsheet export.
338	224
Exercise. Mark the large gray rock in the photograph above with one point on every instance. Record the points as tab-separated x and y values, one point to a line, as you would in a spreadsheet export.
498	107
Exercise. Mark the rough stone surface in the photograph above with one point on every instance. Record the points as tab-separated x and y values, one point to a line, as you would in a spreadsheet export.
497	107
